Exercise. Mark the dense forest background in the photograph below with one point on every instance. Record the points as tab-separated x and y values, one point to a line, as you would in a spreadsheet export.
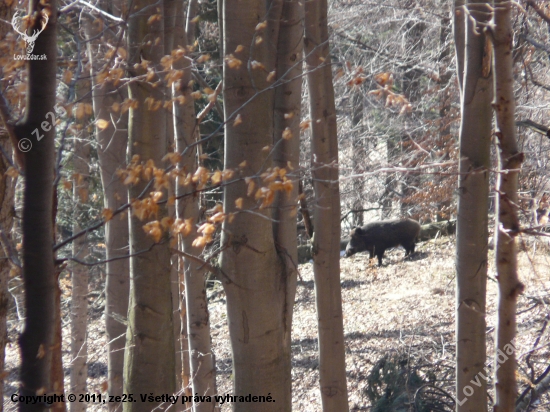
170	165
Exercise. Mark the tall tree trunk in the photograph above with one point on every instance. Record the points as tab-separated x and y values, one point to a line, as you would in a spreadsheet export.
326	239
255	280
358	159
173	8
38	257
57	375
79	273
111	149
473	194
287	116
7	212
507	222
149	354
445	100
201	358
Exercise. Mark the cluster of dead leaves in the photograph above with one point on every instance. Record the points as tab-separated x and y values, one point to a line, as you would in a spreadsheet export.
385	85
274	180
262	188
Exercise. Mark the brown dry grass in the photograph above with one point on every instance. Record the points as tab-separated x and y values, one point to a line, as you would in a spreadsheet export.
405	308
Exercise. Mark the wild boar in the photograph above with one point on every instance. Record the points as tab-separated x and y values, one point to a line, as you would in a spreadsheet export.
376	237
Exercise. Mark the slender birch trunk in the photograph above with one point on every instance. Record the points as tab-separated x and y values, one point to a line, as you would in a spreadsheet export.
507	221
201	358
173	15
326	239
79	273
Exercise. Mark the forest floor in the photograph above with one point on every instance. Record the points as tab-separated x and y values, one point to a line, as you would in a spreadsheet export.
398	322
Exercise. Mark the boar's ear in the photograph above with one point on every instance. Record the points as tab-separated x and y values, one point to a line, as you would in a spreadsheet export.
358	230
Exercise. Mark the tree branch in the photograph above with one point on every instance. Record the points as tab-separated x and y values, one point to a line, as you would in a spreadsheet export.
538	11
537	127
6	117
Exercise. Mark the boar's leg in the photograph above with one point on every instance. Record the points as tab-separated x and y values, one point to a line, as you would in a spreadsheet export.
409	248
380	255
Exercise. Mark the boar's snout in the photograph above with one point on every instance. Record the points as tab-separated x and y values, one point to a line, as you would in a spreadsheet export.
349	251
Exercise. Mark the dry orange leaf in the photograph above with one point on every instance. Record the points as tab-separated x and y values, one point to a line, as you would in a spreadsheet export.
257	65
12	172
153	18
80	111
203	58
107	214
122	52
233	62
227	174
166	222
173	157
83	194
154	230
206	228
67	76
102	124
216	177
183	227
200	242
251	187
287	133
217	218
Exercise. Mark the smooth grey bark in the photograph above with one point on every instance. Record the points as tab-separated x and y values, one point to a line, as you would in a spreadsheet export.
473	193
326	239
112	143
255	282
172	9
507	221
149	355
287	116
186	129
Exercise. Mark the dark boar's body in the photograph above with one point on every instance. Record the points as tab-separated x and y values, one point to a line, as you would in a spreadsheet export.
376	237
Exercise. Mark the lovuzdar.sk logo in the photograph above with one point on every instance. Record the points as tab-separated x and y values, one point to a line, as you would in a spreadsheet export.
29	39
